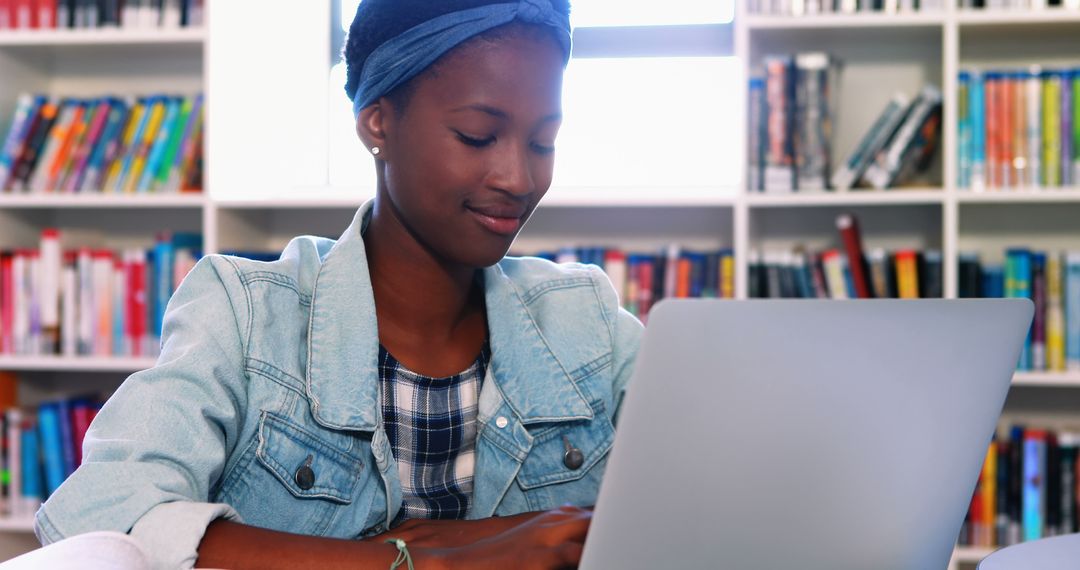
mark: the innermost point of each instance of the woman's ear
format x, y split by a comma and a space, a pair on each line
371, 127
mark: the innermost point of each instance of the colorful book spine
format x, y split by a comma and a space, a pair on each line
1072, 310
964, 130
1033, 98
907, 274
1051, 128
1033, 491
978, 132
1055, 315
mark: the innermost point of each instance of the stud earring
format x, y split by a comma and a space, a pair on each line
375, 150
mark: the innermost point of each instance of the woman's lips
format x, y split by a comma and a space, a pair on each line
499, 220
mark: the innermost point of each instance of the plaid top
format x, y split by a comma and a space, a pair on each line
431, 425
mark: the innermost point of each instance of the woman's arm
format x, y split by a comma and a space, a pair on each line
551, 539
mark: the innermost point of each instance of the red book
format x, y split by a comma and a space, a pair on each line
46, 14
82, 413
6, 20
23, 13
136, 316
849, 234
682, 282
645, 288
7, 304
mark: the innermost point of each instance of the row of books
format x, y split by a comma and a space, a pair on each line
40, 446
90, 302
109, 144
1018, 128
1027, 489
1052, 282
1020, 4
802, 274
643, 279
792, 108
791, 116
87, 14
810, 7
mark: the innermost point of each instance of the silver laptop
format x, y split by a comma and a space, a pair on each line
804, 434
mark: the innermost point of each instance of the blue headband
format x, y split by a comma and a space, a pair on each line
405, 56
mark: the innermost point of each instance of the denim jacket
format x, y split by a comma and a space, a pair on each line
269, 367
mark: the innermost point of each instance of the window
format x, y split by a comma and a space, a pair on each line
651, 100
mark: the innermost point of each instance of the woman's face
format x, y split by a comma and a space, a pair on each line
470, 157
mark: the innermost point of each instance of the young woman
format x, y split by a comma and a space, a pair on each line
405, 381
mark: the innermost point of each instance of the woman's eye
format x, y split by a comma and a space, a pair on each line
475, 142
542, 149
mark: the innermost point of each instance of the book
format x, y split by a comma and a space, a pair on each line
912, 147
852, 239
881, 131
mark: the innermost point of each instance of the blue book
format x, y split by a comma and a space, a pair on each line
133, 151
1072, 310
849, 281
119, 310
993, 282
67, 436
977, 112
1018, 278
25, 111
164, 255
52, 446
32, 484
963, 146
93, 180
1033, 492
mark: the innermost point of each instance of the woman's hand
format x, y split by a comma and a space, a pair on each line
531, 541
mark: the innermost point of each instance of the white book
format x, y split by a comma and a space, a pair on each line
33, 288
149, 16
1033, 98
615, 267
84, 264
69, 343
102, 307
51, 264
671, 270
171, 17
129, 17
833, 266
20, 327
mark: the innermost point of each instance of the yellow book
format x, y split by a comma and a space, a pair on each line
117, 166
142, 147
988, 501
907, 274
1055, 315
727, 276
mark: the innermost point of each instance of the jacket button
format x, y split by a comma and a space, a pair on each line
501, 422
573, 459
305, 477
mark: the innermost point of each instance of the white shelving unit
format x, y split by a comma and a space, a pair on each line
882, 54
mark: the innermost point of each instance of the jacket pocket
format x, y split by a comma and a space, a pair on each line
308, 467
266, 491
549, 479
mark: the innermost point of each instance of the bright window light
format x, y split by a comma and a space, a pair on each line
602, 13
651, 122
629, 123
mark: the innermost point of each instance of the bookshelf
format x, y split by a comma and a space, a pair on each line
882, 54
886, 53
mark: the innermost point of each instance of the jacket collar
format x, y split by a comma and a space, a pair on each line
343, 346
